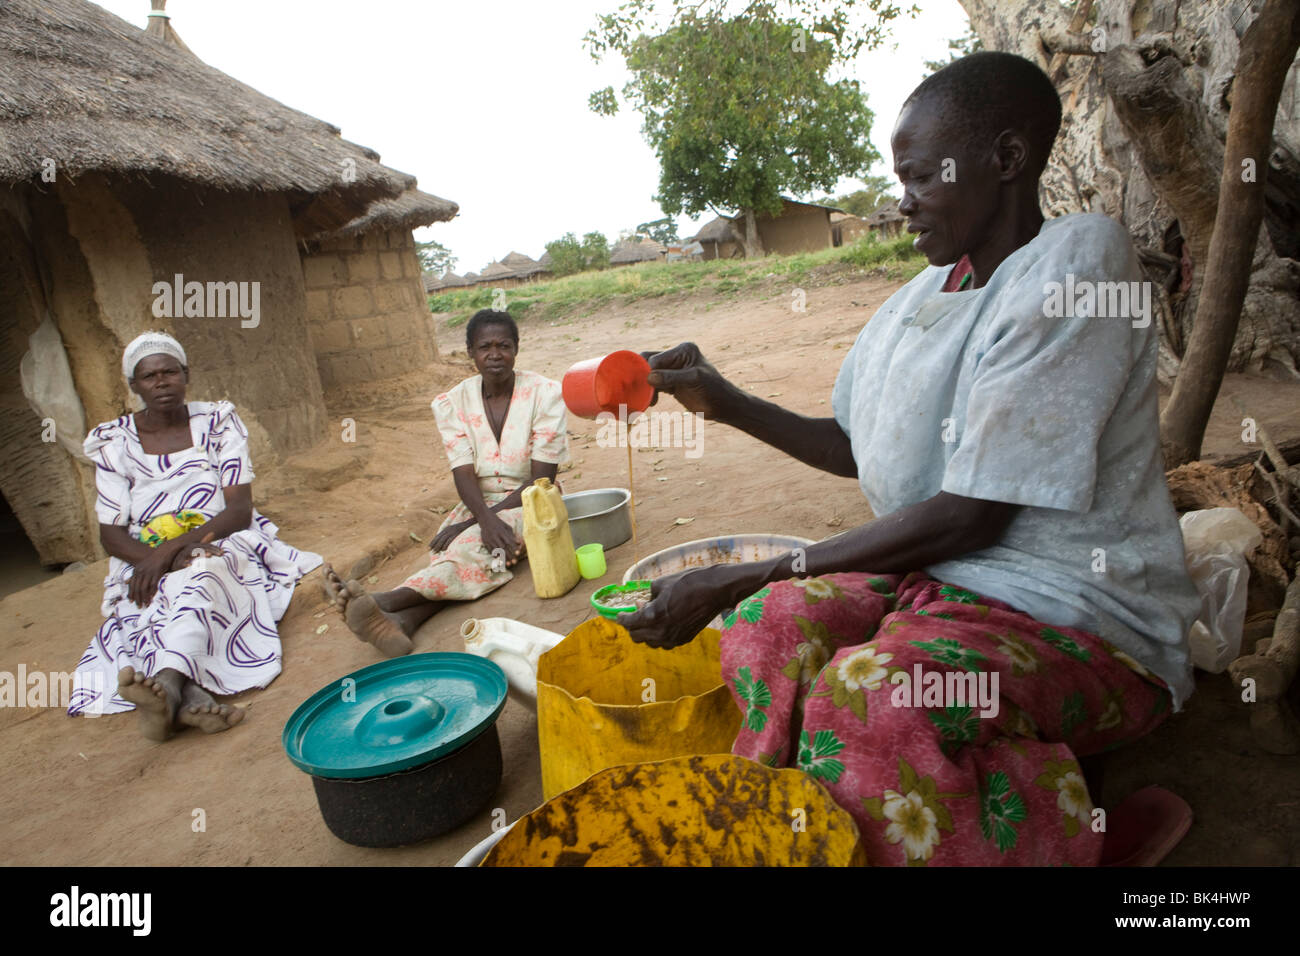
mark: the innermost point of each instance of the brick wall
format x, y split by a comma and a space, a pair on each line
367, 309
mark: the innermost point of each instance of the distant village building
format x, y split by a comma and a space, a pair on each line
797, 227
847, 229
498, 276
130, 167
513, 270
524, 268
632, 251
887, 221
720, 240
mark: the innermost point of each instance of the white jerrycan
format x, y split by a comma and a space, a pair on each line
514, 647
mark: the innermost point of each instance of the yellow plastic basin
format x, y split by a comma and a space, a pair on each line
715, 810
604, 700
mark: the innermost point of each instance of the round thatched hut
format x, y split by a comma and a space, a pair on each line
146, 189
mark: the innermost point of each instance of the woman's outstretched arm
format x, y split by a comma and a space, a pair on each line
922, 534
685, 374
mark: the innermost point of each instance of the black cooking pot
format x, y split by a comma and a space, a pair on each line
403, 750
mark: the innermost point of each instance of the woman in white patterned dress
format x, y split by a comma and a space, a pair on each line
197, 579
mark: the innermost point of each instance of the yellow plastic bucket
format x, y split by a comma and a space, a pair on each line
605, 700
718, 810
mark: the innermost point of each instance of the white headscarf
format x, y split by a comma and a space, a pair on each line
150, 343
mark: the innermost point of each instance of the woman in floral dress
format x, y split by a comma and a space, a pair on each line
502, 430
1020, 599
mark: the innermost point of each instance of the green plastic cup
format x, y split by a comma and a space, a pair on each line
591, 560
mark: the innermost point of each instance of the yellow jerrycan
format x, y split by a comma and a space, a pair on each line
546, 536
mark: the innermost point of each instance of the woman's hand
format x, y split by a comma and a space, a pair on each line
148, 572
449, 534
682, 605
185, 556
685, 374
499, 535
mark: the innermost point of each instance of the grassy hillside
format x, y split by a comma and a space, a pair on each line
587, 290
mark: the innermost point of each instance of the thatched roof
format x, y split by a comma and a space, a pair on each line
636, 250
545, 261
94, 93
884, 214
720, 229
517, 260
521, 265
496, 271
408, 211
449, 280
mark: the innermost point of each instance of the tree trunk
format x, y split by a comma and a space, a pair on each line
1146, 92
751, 240
1267, 51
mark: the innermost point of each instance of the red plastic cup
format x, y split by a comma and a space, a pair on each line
611, 383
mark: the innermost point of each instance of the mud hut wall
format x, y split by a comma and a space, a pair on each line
851, 230
721, 250
796, 232
49, 491
267, 369
367, 306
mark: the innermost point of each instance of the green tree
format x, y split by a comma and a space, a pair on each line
662, 231
863, 202
435, 258
958, 48
569, 255
740, 110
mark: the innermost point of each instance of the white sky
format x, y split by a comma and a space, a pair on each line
486, 103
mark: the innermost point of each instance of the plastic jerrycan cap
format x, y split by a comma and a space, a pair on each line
611, 383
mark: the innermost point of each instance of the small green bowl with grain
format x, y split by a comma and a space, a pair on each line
615, 599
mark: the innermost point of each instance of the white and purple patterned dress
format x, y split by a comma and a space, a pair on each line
213, 621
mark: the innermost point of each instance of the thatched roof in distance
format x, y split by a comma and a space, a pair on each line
521, 265
94, 93
884, 214
545, 260
720, 229
517, 260
636, 250
408, 211
496, 271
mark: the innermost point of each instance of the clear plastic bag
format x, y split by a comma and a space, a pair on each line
1217, 541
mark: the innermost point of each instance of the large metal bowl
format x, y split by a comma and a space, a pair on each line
599, 516
706, 552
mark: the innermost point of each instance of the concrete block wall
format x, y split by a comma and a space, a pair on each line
367, 309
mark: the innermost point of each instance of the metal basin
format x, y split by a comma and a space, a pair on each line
600, 516
706, 552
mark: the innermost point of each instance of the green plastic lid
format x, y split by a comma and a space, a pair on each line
395, 715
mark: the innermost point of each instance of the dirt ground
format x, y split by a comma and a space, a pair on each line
93, 792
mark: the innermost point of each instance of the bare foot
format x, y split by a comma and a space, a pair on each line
153, 702
374, 626
199, 709
336, 592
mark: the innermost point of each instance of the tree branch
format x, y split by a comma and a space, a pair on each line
1267, 51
